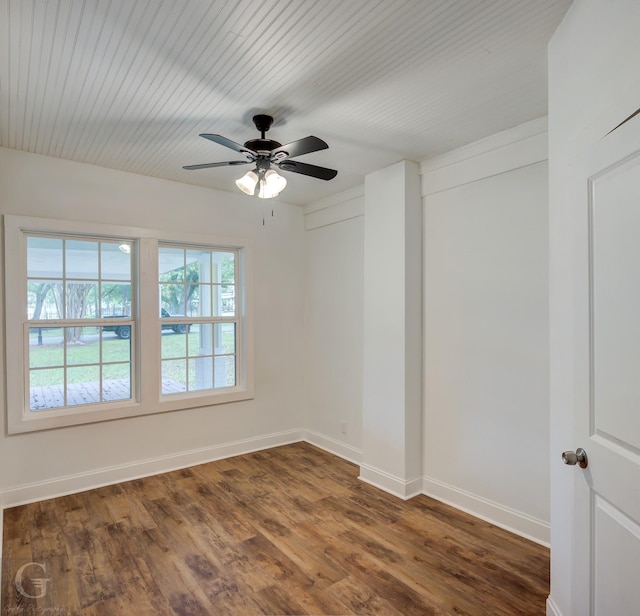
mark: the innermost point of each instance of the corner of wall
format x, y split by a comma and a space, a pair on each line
509, 519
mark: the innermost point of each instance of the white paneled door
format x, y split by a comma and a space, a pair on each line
607, 373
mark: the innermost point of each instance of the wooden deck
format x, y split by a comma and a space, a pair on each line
290, 530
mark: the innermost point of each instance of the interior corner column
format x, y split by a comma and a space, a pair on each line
392, 367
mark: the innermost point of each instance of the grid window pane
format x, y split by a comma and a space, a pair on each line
171, 264
115, 299
200, 373
83, 385
114, 348
46, 347
81, 300
226, 264
225, 371
83, 345
44, 257
201, 340
173, 345
115, 260
227, 300
172, 299
174, 376
81, 259
198, 265
199, 300
225, 338
44, 300
46, 389
116, 382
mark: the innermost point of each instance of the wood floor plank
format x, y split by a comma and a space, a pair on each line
290, 530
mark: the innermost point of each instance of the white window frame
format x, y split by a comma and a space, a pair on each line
146, 345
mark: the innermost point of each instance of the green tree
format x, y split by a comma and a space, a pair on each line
39, 294
176, 296
79, 295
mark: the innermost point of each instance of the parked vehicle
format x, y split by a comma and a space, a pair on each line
124, 331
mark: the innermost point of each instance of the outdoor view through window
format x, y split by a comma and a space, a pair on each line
76, 290
198, 298
82, 335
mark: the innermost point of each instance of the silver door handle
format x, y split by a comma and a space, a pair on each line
578, 457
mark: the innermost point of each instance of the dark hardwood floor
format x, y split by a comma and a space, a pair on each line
289, 530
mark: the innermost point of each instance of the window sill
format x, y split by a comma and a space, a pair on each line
33, 421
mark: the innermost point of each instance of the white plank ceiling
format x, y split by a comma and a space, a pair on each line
129, 84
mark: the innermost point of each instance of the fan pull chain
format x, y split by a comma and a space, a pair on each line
263, 217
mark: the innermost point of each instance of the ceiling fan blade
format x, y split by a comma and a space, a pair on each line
209, 165
322, 173
227, 143
298, 148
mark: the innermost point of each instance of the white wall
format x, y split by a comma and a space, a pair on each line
334, 247
39, 464
486, 361
485, 418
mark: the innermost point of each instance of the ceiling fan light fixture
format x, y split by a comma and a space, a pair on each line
247, 183
275, 181
265, 192
271, 185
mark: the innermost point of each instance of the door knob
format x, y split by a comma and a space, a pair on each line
578, 457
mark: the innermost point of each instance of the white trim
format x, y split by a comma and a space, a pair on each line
552, 608
402, 488
337, 448
343, 197
345, 210
518, 147
519, 523
507, 137
70, 484
334, 214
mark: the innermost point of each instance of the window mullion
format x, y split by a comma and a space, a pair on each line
148, 348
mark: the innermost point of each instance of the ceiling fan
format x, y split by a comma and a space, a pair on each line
267, 154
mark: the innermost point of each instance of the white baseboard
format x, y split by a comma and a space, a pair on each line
402, 488
552, 608
29, 493
337, 448
509, 519
514, 521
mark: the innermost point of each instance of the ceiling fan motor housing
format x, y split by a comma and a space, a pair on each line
262, 145
263, 122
